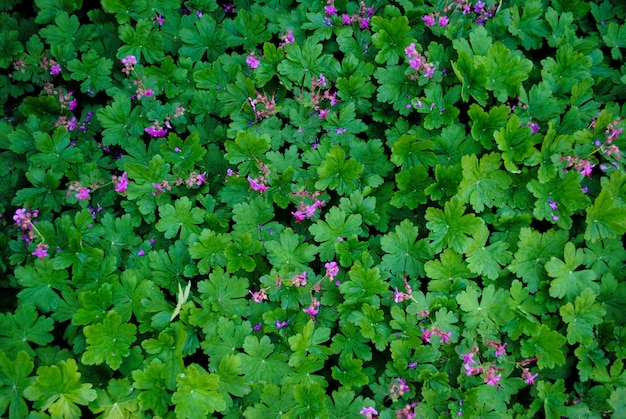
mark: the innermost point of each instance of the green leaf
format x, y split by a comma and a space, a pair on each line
197, 393
487, 314
248, 29
57, 152
581, 317
450, 228
180, 217
394, 88
94, 72
487, 260
569, 69
261, 363
18, 330
118, 119
39, 282
142, 41
351, 343
363, 286
129, 292
530, 28
565, 192
224, 294
338, 173
371, 324
241, 251
109, 341
58, 390
390, 38
307, 344
409, 151
484, 184
485, 124
335, 227
473, 78
569, 282
516, 142
275, 402
403, 252
152, 386
605, 219
615, 37
535, 249
67, 31
542, 103
245, 151
302, 63
506, 70
116, 402
525, 312
224, 338
290, 253
552, 398
547, 346
448, 273
412, 184
231, 380
210, 249
14, 378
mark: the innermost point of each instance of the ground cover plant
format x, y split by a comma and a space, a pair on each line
312, 209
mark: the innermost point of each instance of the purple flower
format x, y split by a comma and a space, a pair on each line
257, 327
156, 132
252, 61
331, 270
368, 412
346, 19
129, 60
330, 10
553, 205
55, 69
280, 325
141, 253
429, 19
443, 21
83, 193
121, 183
41, 251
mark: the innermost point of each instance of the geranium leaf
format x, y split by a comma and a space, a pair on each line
197, 393
109, 341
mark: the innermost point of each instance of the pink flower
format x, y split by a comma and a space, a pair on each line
331, 270
252, 61
55, 69
41, 251
280, 325
254, 184
322, 113
346, 19
299, 216
156, 131
83, 193
330, 10
368, 412
529, 378
429, 19
443, 21
259, 296
299, 280
129, 60
121, 183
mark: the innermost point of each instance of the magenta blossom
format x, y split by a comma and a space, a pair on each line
252, 61
55, 69
41, 251
83, 193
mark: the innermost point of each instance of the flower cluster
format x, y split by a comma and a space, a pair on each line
361, 17
80, 192
24, 220
252, 61
479, 10
304, 210
398, 388
399, 296
269, 105
435, 331
490, 373
319, 92
419, 62
259, 183
120, 182
584, 165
